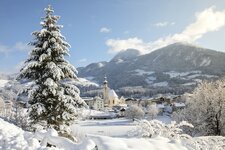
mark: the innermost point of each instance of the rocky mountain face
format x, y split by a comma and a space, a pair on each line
175, 68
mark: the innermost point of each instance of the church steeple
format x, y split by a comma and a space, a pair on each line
105, 81
105, 91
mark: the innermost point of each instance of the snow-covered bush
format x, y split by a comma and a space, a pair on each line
83, 113
155, 128
53, 102
205, 109
206, 143
21, 118
134, 112
152, 111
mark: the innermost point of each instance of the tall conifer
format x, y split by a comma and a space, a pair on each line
53, 102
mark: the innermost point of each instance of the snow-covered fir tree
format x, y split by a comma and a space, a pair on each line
53, 102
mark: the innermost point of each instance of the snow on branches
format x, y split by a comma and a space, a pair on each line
51, 100
134, 112
205, 109
155, 128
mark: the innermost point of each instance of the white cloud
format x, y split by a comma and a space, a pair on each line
22, 46
126, 32
208, 20
4, 49
161, 24
164, 24
83, 60
172, 23
120, 45
105, 30
19, 46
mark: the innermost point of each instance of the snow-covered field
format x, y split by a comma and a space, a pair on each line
188, 75
141, 72
113, 128
86, 82
159, 143
14, 138
109, 127
165, 83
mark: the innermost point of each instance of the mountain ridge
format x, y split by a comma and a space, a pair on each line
169, 67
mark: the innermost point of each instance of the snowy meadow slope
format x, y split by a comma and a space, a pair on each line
176, 68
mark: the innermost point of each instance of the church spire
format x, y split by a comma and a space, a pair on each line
105, 91
105, 81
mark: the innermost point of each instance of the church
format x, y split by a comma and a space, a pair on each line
109, 96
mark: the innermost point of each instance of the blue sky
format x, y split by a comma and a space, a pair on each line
98, 29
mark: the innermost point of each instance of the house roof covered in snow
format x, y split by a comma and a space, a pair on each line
179, 104
98, 98
161, 106
88, 98
112, 94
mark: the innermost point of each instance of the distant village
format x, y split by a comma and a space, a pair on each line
110, 102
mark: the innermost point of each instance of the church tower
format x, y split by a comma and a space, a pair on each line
105, 91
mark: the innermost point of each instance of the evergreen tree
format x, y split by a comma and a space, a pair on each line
53, 102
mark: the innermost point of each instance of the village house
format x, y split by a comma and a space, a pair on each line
131, 101
96, 103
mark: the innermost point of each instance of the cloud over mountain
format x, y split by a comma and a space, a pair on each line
208, 20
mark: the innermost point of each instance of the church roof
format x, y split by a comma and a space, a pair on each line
112, 94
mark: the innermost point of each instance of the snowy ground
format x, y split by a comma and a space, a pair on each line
14, 138
113, 128
159, 143
110, 127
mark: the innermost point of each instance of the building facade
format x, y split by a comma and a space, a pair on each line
110, 97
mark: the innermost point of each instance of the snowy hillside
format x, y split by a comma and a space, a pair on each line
177, 65
85, 82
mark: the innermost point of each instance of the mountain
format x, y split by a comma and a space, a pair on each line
175, 67
126, 55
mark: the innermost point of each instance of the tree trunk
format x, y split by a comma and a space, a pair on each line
218, 131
